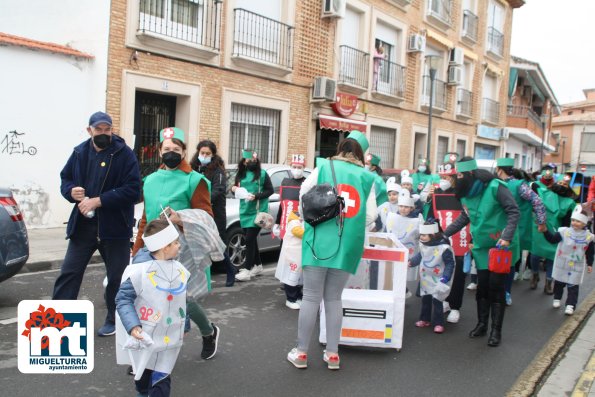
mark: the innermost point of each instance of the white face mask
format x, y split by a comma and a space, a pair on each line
445, 184
297, 173
204, 160
422, 168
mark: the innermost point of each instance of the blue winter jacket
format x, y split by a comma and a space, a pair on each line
120, 188
126, 295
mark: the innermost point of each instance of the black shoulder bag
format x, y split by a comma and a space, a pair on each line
321, 204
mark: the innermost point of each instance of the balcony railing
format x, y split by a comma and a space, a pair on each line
524, 112
191, 21
495, 41
439, 101
490, 111
263, 39
464, 101
389, 78
441, 10
470, 25
354, 67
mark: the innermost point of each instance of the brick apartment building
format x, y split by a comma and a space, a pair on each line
242, 73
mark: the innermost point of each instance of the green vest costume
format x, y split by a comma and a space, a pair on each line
424, 178
248, 209
380, 189
355, 183
526, 221
174, 189
556, 208
488, 220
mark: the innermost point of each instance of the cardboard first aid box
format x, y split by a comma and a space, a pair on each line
374, 298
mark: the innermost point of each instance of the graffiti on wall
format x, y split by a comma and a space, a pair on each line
34, 203
12, 143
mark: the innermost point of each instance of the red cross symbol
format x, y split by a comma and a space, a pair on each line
352, 199
168, 133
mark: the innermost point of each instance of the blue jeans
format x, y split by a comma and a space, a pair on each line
81, 246
549, 265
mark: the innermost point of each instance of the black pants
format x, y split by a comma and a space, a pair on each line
81, 246
293, 293
457, 290
252, 254
146, 385
572, 297
491, 286
432, 310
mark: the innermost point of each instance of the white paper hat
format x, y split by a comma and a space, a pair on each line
392, 185
578, 216
429, 229
406, 200
162, 238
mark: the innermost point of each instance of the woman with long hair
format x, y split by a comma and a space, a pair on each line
257, 182
207, 162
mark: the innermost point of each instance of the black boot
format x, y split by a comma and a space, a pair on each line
483, 313
497, 318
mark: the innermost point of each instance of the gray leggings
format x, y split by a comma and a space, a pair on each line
321, 283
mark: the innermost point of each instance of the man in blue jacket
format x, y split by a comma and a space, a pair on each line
102, 179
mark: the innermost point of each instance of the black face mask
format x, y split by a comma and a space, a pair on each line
172, 159
463, 185
252, 166
102, 141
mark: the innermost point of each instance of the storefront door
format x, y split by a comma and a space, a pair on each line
327, 141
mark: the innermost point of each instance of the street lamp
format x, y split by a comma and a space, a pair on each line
543, 125
563, 148
430, 61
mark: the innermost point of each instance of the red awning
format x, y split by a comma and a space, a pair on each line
341, 124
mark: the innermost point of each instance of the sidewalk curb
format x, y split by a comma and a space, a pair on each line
538, 370
52, 264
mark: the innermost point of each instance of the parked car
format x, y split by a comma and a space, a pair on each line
14, 241
236, 240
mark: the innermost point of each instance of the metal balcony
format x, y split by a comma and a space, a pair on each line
354, 67
495, 42
390, 79
440, 10
464, 102
439, 101
470, 25
490, 111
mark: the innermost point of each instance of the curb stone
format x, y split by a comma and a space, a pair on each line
53, 264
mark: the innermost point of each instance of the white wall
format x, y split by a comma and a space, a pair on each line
48, 98
517, 147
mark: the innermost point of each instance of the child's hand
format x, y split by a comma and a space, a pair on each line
589, 269
409, 264
542, 228
136, 333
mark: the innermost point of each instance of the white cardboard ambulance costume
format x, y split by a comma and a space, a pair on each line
161, 308
431, 267
570, 261
374, 318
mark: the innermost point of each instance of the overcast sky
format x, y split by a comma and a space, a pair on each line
560, 36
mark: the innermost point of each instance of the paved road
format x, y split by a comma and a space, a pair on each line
257, 331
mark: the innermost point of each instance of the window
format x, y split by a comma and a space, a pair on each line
354, 61
389, 76
442, 148
461, 148
439, 98
490, 106
440, 10
588, 142
464, 93
470, 21
254, 128
495, 36
382, 144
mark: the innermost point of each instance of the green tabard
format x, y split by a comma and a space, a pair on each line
351, 179
527, 220
419, 177
556, 208
488, 220
248, 209
380, 189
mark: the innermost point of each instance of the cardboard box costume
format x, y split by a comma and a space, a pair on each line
406, 230
570, 261
289, 265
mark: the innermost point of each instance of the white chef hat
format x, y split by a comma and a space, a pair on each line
161, 239
405, 199
578, 215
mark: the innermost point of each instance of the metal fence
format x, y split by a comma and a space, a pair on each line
439, 101
440, 9
470, 25
254, 128
464, 101
382, 144
389, 78
495, 41
194, 21
262, 38
354, 67
490, 110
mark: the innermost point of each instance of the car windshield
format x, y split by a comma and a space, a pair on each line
276, 175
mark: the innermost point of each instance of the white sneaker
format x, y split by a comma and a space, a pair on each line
527, 273
569, 310
556, 303
256, 270
472, 287
243, 275
517, 276
454, 316
445, 307
292, 305
408, 294
297, 358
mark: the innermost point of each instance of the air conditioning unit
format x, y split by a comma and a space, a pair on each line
457, 56
333, 8
416, 43
455, 75
325, 89
505, 134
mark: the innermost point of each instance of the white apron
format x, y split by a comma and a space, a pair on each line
431, 269
570, 260
384, 209
407, 231
161, 307
289, 266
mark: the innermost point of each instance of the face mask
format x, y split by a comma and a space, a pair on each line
204, 160
367, 167
463, 185
422, 168
102, 141
445, 184
172, 159
252, 166
297, 173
